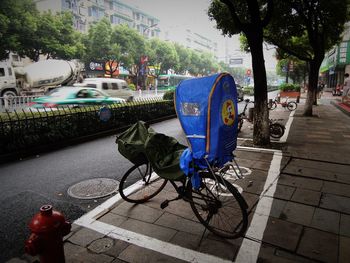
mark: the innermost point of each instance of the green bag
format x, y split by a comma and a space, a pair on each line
131, 143
164, 153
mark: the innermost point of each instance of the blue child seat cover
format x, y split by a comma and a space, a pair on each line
207, 110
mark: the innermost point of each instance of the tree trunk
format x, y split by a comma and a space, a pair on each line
313, 80
261, 134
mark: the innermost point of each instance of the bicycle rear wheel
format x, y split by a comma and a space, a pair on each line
292, 105
240, 123
276, 130
219, 206
147, 185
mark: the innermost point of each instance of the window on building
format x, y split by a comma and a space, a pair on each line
104, 85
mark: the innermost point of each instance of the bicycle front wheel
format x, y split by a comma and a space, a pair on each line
292, 105
272, 106
146, 184
219, 207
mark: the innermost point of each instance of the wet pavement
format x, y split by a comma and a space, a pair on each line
298, 199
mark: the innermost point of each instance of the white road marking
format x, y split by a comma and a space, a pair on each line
153, 243
249, 249
283, 139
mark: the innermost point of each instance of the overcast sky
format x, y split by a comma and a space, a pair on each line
192, 14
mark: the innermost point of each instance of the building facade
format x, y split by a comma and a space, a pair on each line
337, 62
191, 39
87, 12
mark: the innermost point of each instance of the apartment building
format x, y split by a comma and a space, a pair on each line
191, 39
86, 12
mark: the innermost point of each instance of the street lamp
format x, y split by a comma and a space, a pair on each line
146, 28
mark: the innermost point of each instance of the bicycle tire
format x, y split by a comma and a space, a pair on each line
222, 212
273, 105
240, 124
276, 130
292, 105
148, 185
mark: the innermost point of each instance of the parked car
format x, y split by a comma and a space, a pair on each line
113, 87
74, 96
240, 93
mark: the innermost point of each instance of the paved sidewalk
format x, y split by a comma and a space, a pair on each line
299, 207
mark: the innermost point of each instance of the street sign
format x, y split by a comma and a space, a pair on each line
105, 114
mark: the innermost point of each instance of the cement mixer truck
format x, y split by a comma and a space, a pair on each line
38, 77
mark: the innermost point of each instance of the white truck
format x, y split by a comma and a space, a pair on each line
38, 77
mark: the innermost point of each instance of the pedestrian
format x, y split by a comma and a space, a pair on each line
320, 87
346, 89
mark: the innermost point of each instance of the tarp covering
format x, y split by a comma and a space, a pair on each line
207, 110
164, 153
141, 144
131, 143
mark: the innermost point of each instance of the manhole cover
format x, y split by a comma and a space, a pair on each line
93, 188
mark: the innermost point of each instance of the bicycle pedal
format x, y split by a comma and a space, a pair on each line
164, 204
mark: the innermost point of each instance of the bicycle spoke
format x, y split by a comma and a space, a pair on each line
216, 206
146, 187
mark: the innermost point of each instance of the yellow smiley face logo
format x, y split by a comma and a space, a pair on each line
228, 112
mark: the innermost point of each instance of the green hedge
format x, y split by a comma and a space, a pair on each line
289, 87
169, 95
20, 131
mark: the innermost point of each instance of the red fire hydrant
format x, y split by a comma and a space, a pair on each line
48, 229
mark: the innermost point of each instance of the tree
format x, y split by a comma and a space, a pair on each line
184, 58
17, 25
99, 46
293, 68
132, 48
54, 37
163, 53
194, 68
207, 63
307, 29
249, 17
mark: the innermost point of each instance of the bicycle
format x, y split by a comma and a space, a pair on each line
276, 129
216, 203
290, 105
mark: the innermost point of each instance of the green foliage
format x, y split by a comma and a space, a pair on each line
162, 53
248, 91
132, 86
18, 23
98, 44
184, 58
305, 28
54, 37
169, 95
289, 87
244, 46
25, 31
132, 46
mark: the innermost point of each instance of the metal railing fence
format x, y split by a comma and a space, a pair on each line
22, 129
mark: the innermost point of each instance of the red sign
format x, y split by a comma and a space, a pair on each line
144, 59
